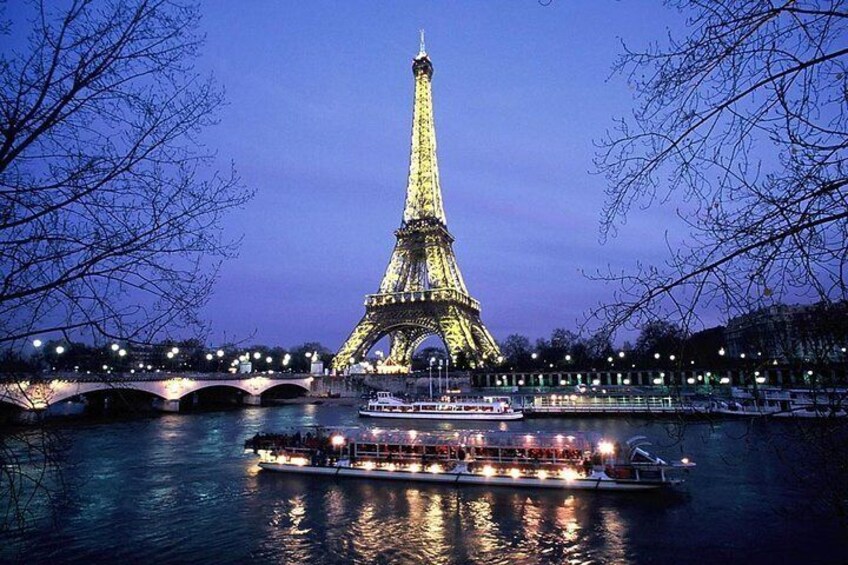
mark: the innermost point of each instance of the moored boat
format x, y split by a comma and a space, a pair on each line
483, 409
538, 460
782, 403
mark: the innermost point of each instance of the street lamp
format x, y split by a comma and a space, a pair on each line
432, 361
36, 343
337, 442
60, 350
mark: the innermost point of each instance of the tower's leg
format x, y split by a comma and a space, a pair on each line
400, 350
456, 332
404, 342
465, 333
358, 343
487, 348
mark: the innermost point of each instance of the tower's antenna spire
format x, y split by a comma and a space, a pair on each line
421, 49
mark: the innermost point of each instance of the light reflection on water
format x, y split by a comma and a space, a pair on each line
407, 523
181, 488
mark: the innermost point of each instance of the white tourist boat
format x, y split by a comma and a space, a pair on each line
539, 460
485, 408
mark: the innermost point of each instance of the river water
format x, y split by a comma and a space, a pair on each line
179, 488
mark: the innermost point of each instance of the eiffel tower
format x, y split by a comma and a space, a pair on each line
422, 292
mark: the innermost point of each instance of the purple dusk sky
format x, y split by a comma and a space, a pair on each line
319, 123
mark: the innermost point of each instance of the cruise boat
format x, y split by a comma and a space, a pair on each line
518, 460
486, 408
783, 403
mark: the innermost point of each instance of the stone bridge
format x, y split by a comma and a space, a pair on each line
167, 389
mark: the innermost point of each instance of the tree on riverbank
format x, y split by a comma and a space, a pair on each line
745, 122
110, 223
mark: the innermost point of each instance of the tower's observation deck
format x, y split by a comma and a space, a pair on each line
422, 292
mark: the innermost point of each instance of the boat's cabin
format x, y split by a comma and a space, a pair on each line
386, 402
385, 399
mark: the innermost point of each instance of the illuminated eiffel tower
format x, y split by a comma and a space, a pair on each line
422, 292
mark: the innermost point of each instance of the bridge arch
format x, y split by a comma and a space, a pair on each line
41, 394
282, 387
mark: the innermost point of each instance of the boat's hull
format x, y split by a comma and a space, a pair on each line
477, 417
467, 478
794, 413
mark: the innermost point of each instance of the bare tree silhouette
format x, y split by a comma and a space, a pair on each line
744, 119
110, 222
111, 215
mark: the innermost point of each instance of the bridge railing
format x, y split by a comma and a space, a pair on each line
146, 377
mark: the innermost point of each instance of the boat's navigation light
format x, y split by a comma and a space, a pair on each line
606, 448
569, 474
337, 441
686, 461
368, 465
414, 468
434, 469
514, 473
488, 471
543, 475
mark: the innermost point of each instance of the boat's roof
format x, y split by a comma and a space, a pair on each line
469, 438
457, 403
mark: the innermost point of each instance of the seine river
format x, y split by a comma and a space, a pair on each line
179, 488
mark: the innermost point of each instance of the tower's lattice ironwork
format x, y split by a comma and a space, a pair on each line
422, 292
